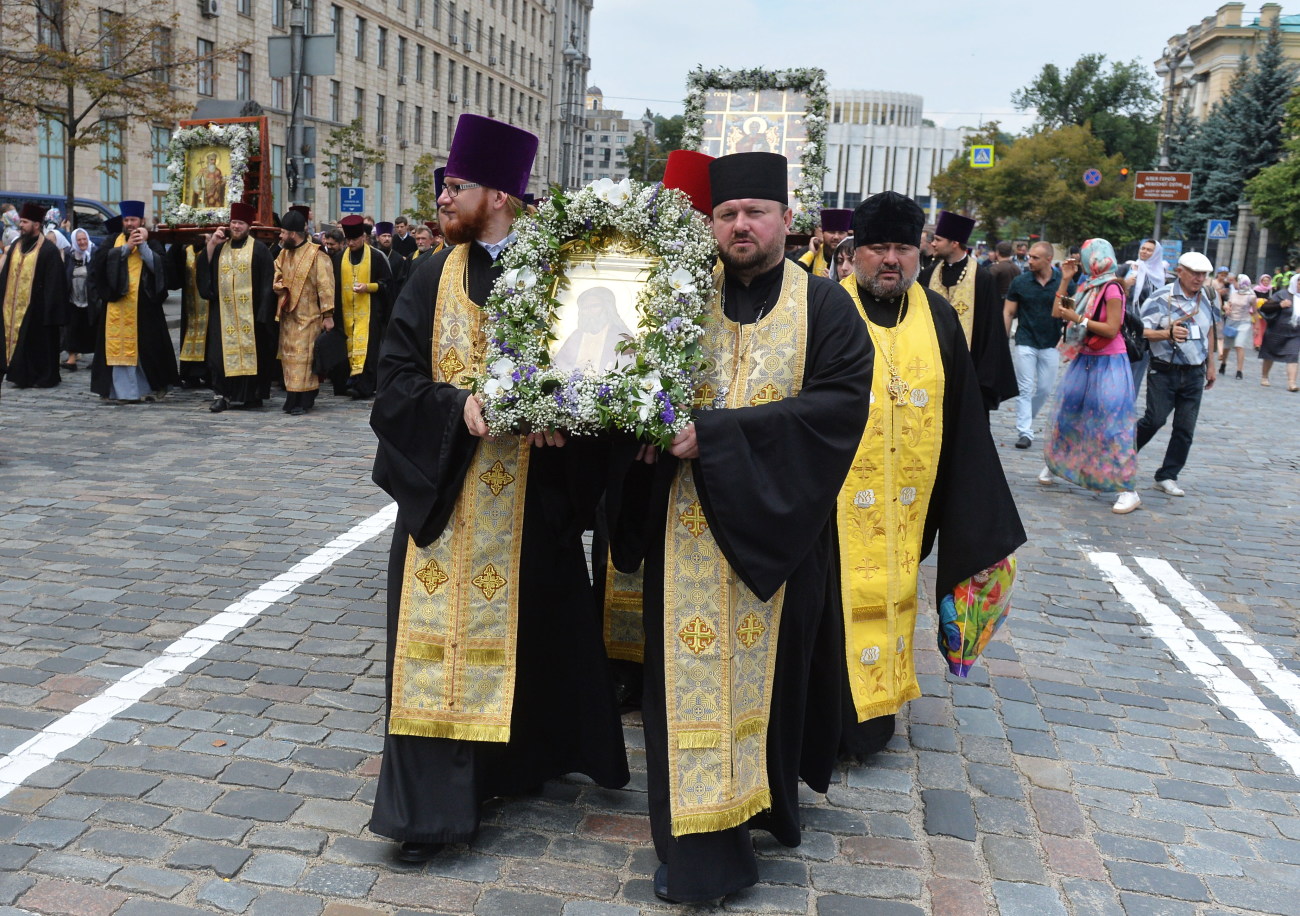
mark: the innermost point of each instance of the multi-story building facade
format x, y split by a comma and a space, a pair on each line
606, 139
879, 141
406, 69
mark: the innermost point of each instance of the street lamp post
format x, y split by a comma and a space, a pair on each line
571, 57
1175, 68
648, 130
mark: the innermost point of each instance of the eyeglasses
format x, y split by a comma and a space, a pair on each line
453, 190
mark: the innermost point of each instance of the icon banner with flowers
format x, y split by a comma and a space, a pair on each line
594, 323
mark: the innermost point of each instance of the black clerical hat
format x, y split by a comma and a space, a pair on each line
888, 217
294, 221
745, 176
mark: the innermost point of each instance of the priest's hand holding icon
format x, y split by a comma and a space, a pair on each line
685, 444
473, 413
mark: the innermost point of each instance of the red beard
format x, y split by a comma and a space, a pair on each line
466, 226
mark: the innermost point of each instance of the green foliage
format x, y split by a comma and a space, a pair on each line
960, 187
667, 137
1120, 103
423, 191
1274, 193
346, 154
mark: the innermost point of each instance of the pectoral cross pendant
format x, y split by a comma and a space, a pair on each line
898, 390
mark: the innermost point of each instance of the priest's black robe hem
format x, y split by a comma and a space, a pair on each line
35, 360
242, 388
989, 348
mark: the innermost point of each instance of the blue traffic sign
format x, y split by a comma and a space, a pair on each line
352, 200
981, 157
1092, 178
1218, 229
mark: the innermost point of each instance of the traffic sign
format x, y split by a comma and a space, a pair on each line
1092, 178
1163, 186
1218, 229
981, 157
352, 200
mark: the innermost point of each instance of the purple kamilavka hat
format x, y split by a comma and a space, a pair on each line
491, 153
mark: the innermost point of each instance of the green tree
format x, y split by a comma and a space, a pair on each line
971, 190
1120, 104
667, 137
1275, 192
423, 191
346, 154
90, 72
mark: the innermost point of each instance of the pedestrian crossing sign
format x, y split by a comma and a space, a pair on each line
981, 157
1218, 229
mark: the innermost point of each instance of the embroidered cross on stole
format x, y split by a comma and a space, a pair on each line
962, 296
356, 308
719, 639
235, 299
454, 670
121, 321
880, 513
194, 343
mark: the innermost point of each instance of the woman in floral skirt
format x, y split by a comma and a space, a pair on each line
1091, 438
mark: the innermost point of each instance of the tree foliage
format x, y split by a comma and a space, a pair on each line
346, 155
667, 137
423, 191
1039, 180
93, 72
1120, 103
1275, 192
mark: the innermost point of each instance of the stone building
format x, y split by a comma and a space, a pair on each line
606, 139
406, 68
879, 141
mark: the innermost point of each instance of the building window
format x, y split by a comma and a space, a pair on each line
162, 53
380, 115
399, 174
277, 93
278, 196
243, 77
381, 58
49, 23
160, 139
419, 64
206, 81
433, 128
110, 32
112, 159
336, 26
359, 48
401, 121
437, 69
401, 57
417, 130
437, 14
359, 107
336, 90
50, 147
309, 16
309, 96
277, 13
244, 8
379, 191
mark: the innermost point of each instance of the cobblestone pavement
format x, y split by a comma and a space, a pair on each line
1082, 769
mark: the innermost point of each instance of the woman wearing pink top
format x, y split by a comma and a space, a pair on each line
1091, 438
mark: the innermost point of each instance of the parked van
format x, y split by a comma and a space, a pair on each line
88, 214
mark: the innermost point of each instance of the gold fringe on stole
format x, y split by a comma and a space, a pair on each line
719, 639
121, 321
881, 510
454, 665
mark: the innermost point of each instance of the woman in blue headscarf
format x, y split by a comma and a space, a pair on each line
1091, 438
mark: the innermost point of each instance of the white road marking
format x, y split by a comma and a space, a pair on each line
1228, 689
65, 733
1283, 683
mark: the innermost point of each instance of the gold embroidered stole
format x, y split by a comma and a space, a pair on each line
962, 296
454, 670
194, 344
881, 512
624, 629
121, 323
235, 298
719, 639
356, 308
18, 294
296, 266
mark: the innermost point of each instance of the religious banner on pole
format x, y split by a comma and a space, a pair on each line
772, 111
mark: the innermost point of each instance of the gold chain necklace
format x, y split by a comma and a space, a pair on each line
897, 388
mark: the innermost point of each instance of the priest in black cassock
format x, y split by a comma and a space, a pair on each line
743, 645
926, 466
362, 283
398, 262
973, 292
496, 679
182, 259
33, 305
134, 357
235, 273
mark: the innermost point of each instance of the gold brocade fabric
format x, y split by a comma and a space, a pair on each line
454, 667
121, 323
195, 342
962, 296
624, 629
305, 276
18, 292
881, 512
719, 638
815, 261
235, 299
356, 308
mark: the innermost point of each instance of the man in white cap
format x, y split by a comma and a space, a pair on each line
1179, 325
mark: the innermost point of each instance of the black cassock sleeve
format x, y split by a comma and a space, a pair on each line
263, 280
989, 347
203, 272
971, 509
768, 476
424, 447
53, 286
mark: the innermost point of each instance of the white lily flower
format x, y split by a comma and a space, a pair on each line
491, 387
511, 278
651, 383
645, 401
601, 187
619, 194
682, 281
525, 278
502, 368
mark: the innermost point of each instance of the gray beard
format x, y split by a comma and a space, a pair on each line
878, 290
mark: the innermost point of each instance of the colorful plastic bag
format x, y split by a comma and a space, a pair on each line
970, 616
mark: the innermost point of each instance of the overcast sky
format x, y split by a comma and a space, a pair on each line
965, 59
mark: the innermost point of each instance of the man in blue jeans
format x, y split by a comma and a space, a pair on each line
1029, 298
1178, 321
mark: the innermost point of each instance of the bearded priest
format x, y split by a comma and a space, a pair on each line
33, 303
362, 281
496, 671
926, 465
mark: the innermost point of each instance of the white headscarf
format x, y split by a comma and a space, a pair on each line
1293, 290
1153, 269
60, 240
90, 245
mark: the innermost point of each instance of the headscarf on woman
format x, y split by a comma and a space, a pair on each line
90, 245
1153, 269
1265, 286
1097, 263
1243, 283
59, 239
1293, 290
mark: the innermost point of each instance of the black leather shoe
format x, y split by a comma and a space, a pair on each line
1024, 442
661, 884
417, 853
219, 405
296, 412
